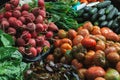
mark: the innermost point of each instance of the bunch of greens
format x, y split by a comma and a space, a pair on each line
11, 65
62, 14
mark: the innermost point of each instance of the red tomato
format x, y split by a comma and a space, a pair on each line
88, 42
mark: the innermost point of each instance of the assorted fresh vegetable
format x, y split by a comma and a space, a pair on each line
62, 40
30, 30
90, 1
11, 65
62, 14
90, 49
102, 14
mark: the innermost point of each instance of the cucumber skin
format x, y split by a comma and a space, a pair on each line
104, 23
94, 17
101, 12
93, 11
110, 24
111, 14
109, 8
104, 4
102, 18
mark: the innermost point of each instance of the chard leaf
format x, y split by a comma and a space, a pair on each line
7, 40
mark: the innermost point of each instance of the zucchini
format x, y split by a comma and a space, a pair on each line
110, 23
86, 15
115, 25
94, 17
111, 14
108, 9
93, 11
104, 4
116, 13
87, 9
101, 12
102, 18
104, 23
80, 12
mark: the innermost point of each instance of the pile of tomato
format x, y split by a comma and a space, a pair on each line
93, 51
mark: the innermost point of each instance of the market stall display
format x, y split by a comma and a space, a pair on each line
59, 40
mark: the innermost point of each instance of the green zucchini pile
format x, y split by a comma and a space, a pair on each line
102, 14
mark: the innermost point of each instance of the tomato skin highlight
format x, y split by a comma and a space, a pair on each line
88, 42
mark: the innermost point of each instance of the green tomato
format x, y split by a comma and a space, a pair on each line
112, 74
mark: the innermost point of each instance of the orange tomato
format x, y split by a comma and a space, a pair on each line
72, 33
88, 25
77, 39
62, 33
80, 28
100, 45
50, 57
89, 58
84, 1
66, 40
88, 43
57, 43
94, 72
96, 30
105, 31
76, 64
64, 47
83, 32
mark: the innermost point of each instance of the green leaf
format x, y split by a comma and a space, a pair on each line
1, 32
7, 40
6, 52
11, 65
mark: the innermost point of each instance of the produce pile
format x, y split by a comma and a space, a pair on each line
28, 27
60, 40
88, 49
11, 64
102, 14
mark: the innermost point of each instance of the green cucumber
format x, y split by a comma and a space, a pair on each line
80, 12
104, 4
101, 12
102, 18
111, 14
104, 23
94, 17
93, 11
108, 9
86, 15
116, 13
87, 9
115, 25
110, 23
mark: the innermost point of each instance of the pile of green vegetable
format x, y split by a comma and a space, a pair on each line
103, 14
11, 65
62, 14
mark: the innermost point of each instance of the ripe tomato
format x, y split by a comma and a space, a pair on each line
88, 42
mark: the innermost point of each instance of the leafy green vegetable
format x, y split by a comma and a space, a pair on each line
6, 39
11, 65
62, 14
